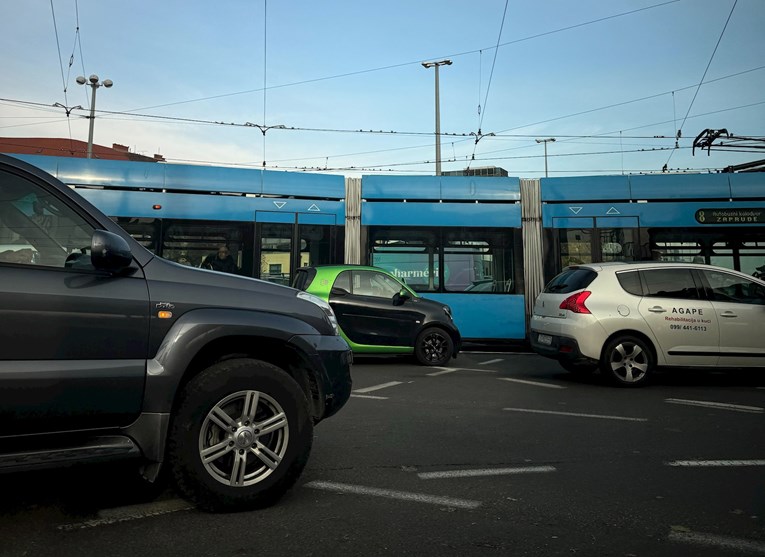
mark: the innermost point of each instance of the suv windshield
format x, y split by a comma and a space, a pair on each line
570, 280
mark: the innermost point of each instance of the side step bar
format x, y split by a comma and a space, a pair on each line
95, 449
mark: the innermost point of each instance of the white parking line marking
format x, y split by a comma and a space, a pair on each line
535, 383
491, 362
390, 494
484, 472
444, 371
132, 512
601, 416
692, 463
378, 387
717, 405
726, 542
370, 396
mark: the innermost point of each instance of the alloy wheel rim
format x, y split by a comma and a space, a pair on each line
244, 438
434, 346
629, 362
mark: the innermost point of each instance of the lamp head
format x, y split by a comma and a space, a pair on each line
81, 80
108, 83
93, 79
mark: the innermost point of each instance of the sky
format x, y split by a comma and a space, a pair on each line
339, 86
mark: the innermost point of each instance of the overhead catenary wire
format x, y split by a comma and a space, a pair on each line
411, 63
722, 33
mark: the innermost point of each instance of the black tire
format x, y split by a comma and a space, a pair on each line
627, 361
433, 347
578, 369
264, 464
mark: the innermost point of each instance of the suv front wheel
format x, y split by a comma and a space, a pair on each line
240, 437
627, 361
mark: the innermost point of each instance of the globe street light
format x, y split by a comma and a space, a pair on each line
92, 81
545, 141
438, 111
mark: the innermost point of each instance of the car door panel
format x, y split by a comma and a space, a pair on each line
684, 325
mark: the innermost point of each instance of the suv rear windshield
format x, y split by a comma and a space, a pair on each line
571, 280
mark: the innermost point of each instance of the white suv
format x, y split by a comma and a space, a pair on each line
627, 318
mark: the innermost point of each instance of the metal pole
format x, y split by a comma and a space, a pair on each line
545, 159
438, 128
438, 111
92, 120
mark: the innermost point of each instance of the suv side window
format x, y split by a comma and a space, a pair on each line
730, 288
670, 283
37, 228
630, 281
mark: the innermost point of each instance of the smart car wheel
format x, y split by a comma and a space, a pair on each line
433, 347
627, 361
240, 437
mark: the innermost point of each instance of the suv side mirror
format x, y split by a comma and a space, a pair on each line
109, 251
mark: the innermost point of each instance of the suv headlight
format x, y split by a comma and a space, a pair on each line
325, 307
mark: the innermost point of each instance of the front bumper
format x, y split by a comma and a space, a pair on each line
331, 359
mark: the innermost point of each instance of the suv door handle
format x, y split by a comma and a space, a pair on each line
657, 309
728, 314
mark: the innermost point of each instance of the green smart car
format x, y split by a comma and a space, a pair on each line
378, 314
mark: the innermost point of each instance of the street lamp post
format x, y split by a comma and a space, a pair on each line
92, 81
546, 141
438, 111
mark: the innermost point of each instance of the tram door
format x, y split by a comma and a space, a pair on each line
582, 240
286, 241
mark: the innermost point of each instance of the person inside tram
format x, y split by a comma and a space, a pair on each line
221, 261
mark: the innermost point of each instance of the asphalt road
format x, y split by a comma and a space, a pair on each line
499, 454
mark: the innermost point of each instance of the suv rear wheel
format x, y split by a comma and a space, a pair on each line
241, 436
627, 361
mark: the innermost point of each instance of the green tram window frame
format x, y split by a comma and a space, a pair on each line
475, 260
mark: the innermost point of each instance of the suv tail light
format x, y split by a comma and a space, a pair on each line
575, 302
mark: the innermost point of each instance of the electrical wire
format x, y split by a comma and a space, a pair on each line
61, 65
722, 33
412, 63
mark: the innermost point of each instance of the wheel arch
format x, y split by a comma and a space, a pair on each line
634, 333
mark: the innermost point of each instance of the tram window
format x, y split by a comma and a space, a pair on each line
317, 245
190, 242
478, 260
722, 255
677, 251
618, 244
144, 230
276, 252
752, 256
575, 246
409, 254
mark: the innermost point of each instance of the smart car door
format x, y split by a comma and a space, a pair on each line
365, 310
73, 341
683, 323
739, 304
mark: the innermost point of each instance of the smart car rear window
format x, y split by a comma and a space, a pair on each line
630, 281
304, 278
571, 280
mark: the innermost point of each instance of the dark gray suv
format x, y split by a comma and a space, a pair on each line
109, 352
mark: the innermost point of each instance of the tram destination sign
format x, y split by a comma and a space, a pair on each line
731, 216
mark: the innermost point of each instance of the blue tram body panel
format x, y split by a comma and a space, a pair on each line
486, 316
680, 186
441, 214
585, 188
451, 188
192, 178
